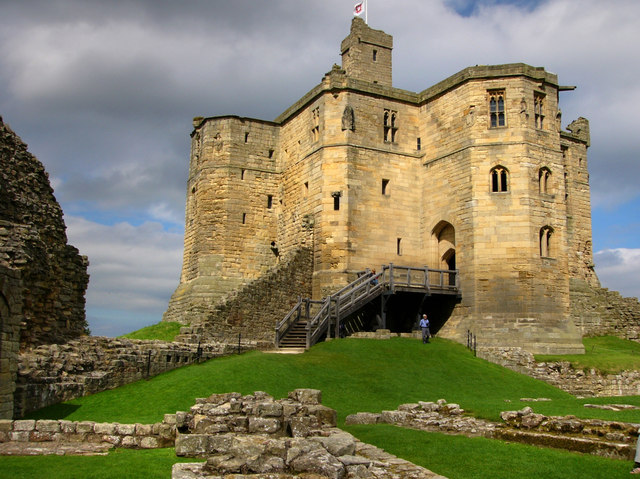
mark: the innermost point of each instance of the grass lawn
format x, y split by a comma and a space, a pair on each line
607, 354
120, 463
371, 375
164, 331
460, 457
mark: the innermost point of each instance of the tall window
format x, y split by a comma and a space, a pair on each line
315, 130
546, 232
496, 108
544, 175
538, 107
499, 179
390, 126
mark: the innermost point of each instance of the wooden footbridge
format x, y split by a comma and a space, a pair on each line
310, 320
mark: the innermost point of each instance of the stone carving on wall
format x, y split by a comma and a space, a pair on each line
524, 116
470, 115
348, 119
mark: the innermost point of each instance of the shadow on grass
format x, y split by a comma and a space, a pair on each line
55, 411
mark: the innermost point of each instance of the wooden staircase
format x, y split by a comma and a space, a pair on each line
296, 337
310, 320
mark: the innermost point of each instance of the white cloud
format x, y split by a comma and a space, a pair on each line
618, 269
132, 269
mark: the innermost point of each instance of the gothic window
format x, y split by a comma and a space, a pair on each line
544, 175
499, 179
315, 130
390, 126
538, 107
496, 109
546, 232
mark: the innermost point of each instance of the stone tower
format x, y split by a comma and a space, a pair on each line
473, 173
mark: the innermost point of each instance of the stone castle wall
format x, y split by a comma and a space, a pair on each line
252, 312
365, 174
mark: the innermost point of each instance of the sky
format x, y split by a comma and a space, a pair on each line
104, 92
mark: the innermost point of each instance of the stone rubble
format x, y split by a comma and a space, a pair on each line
605, 438
257, 437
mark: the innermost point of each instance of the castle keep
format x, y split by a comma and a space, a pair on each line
473, 174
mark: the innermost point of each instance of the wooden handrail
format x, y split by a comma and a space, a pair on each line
364, 288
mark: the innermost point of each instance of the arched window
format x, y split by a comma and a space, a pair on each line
544, 176
546, 251
499, 179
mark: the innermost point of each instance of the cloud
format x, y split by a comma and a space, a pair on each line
104, 93
133, 269
618, 270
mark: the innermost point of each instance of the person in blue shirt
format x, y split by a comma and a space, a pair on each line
424, 324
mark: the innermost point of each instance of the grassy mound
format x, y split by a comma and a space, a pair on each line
163, 331
354, 375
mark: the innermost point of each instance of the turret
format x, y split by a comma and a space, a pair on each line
366, 54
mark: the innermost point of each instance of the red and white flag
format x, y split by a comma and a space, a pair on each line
358, 9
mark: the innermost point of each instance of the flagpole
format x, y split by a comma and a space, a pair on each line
366, 12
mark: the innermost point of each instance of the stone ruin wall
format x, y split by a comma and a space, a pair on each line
42, 279
50, 374
562, 375
33, 241
599, 311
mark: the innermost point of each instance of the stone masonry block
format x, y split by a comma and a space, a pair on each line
24, 425
48, 426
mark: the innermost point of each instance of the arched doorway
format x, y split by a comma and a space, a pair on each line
445, 236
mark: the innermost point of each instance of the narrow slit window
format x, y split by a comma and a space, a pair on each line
244, 218
246, 137
242, 174
385, 183
336, 200
270, 153
538, 107
399, 246
269, 201
306, 188
375, 55
418, 144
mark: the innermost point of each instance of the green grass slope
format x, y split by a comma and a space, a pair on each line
354, 375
